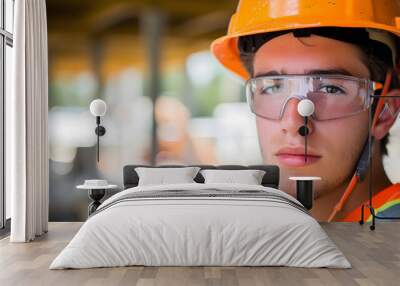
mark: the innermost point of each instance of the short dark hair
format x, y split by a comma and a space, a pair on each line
377, 58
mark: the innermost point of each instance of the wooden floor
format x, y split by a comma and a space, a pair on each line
375, 257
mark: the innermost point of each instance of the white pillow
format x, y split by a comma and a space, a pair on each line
162, 176
248, 177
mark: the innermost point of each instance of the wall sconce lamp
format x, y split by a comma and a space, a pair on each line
98, 108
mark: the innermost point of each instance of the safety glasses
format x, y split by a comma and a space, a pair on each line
334, 96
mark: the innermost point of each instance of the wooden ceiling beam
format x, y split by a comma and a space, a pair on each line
90, 16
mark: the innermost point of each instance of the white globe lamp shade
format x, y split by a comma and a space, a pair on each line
305, 108
98, 107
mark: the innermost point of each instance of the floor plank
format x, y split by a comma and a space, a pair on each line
375, 257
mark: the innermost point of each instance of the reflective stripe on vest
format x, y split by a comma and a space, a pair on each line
383, 201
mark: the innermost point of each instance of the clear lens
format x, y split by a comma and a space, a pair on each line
333, 96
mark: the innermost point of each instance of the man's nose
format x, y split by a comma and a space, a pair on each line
292, 120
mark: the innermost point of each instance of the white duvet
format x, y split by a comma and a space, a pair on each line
188, 231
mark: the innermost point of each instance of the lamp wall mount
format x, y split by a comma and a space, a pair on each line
98, 109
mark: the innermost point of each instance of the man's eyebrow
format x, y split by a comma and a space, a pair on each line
334, 71
270, 73
339, 71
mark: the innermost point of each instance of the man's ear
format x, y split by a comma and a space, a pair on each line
388, 115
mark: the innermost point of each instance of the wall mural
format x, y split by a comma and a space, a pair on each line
204, 114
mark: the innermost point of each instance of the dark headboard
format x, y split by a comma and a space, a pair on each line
270, 179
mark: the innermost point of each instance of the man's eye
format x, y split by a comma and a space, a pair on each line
271, 89
332, 89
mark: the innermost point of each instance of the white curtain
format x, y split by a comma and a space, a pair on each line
26, 124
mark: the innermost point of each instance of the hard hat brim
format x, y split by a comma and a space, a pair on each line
225, 48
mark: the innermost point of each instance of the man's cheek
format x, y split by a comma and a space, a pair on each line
265, 143
264, 149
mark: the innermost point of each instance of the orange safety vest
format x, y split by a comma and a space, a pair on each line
384, 201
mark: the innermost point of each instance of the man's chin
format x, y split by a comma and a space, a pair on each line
288, 186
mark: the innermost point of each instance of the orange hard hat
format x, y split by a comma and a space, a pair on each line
263, 16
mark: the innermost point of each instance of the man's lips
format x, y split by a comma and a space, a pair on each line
295, 156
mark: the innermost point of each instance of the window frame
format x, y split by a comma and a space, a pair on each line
6, 39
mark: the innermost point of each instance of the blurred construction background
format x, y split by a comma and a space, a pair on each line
168, 99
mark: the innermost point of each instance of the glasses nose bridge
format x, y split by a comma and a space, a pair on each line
296, 96
300, 88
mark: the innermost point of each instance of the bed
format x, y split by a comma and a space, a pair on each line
201, 224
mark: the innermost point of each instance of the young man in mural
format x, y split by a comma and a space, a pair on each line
337, 54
